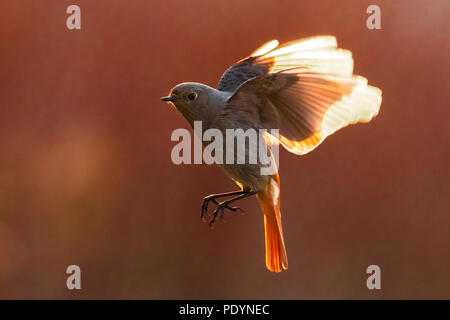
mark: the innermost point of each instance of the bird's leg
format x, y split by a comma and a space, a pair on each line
213, 198
225, 204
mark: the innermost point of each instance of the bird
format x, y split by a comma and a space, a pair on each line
305, 89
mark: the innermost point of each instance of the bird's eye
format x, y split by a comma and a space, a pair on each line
192, 96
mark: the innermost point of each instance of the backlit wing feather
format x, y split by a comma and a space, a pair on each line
316, 54
306, 107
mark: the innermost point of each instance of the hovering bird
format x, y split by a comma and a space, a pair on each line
305, 88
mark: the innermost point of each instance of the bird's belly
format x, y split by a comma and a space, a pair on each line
241, 157
248, 176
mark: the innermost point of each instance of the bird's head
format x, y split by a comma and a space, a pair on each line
190, 98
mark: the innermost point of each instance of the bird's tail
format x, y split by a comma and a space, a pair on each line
276, 258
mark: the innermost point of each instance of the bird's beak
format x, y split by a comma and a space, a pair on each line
168, 98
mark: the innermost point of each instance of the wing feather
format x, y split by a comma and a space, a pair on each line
309, 106
316, 54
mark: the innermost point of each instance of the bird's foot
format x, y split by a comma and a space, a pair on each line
205, 203
221, 208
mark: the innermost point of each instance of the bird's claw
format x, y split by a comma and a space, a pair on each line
221, 207
205, 203
234, 209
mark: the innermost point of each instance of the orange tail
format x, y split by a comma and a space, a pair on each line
276, 257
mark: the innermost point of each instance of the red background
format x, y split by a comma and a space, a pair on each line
86, 176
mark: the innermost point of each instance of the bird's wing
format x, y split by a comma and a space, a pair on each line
306, 107
317, 54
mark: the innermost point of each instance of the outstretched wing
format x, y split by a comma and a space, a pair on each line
306, 107
317, 54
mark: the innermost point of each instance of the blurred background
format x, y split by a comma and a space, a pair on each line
86, 176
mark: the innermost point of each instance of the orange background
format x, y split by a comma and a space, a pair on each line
86, 176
